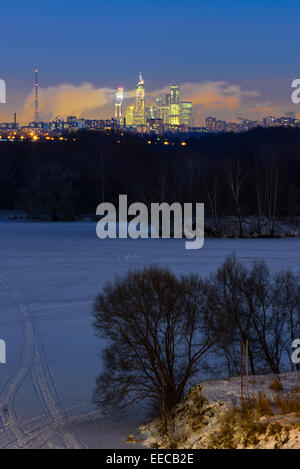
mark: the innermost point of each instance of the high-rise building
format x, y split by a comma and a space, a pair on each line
163, 113
129, 116
159, 110
148, 112
186, 113
139, 112
219, 126
118, 103
153, 110
174, 106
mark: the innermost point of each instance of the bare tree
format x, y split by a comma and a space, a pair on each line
260, 192
192, 164
236, 176
227, 298
261, 308
287, 300
212, 191
268, 320
158, 328
271, 182
101, 176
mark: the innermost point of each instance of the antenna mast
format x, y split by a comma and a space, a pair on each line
36, 102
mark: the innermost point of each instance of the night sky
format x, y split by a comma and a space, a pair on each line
253, 45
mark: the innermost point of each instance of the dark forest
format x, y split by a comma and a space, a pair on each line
255, 174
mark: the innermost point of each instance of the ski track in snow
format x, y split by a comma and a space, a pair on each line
32, 362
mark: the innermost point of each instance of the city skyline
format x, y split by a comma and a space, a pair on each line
168, 114
87, 102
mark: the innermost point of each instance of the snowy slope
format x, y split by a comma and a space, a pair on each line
204, 419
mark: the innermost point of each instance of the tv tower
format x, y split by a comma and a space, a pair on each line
36, 101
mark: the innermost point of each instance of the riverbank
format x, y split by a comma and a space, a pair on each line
214, 415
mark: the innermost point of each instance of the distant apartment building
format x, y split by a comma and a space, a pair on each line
284, 121
233, 127
72, 124
175, 129
214, 125
269, 121
155, 126
288, 121
57, 125
39, 126
219, 126
210, 123
9, 126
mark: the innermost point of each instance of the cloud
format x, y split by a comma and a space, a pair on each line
263, 109
82, 101
212, 95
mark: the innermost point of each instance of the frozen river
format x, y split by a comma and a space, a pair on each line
49, 277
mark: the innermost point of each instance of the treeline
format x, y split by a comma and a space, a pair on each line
161, 329
252, 174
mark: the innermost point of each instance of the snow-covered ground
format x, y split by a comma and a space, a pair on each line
49, 277
198, 420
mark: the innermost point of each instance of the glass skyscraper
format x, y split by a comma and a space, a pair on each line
174, 106
139, 112
186, 113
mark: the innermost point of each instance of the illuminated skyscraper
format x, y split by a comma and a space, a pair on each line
163, 113
119, 102
174, 94
186, 113
159, 110
129, 115
148, 112
153, 111
139, 112
174, 106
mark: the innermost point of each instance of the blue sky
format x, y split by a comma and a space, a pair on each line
106, 43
